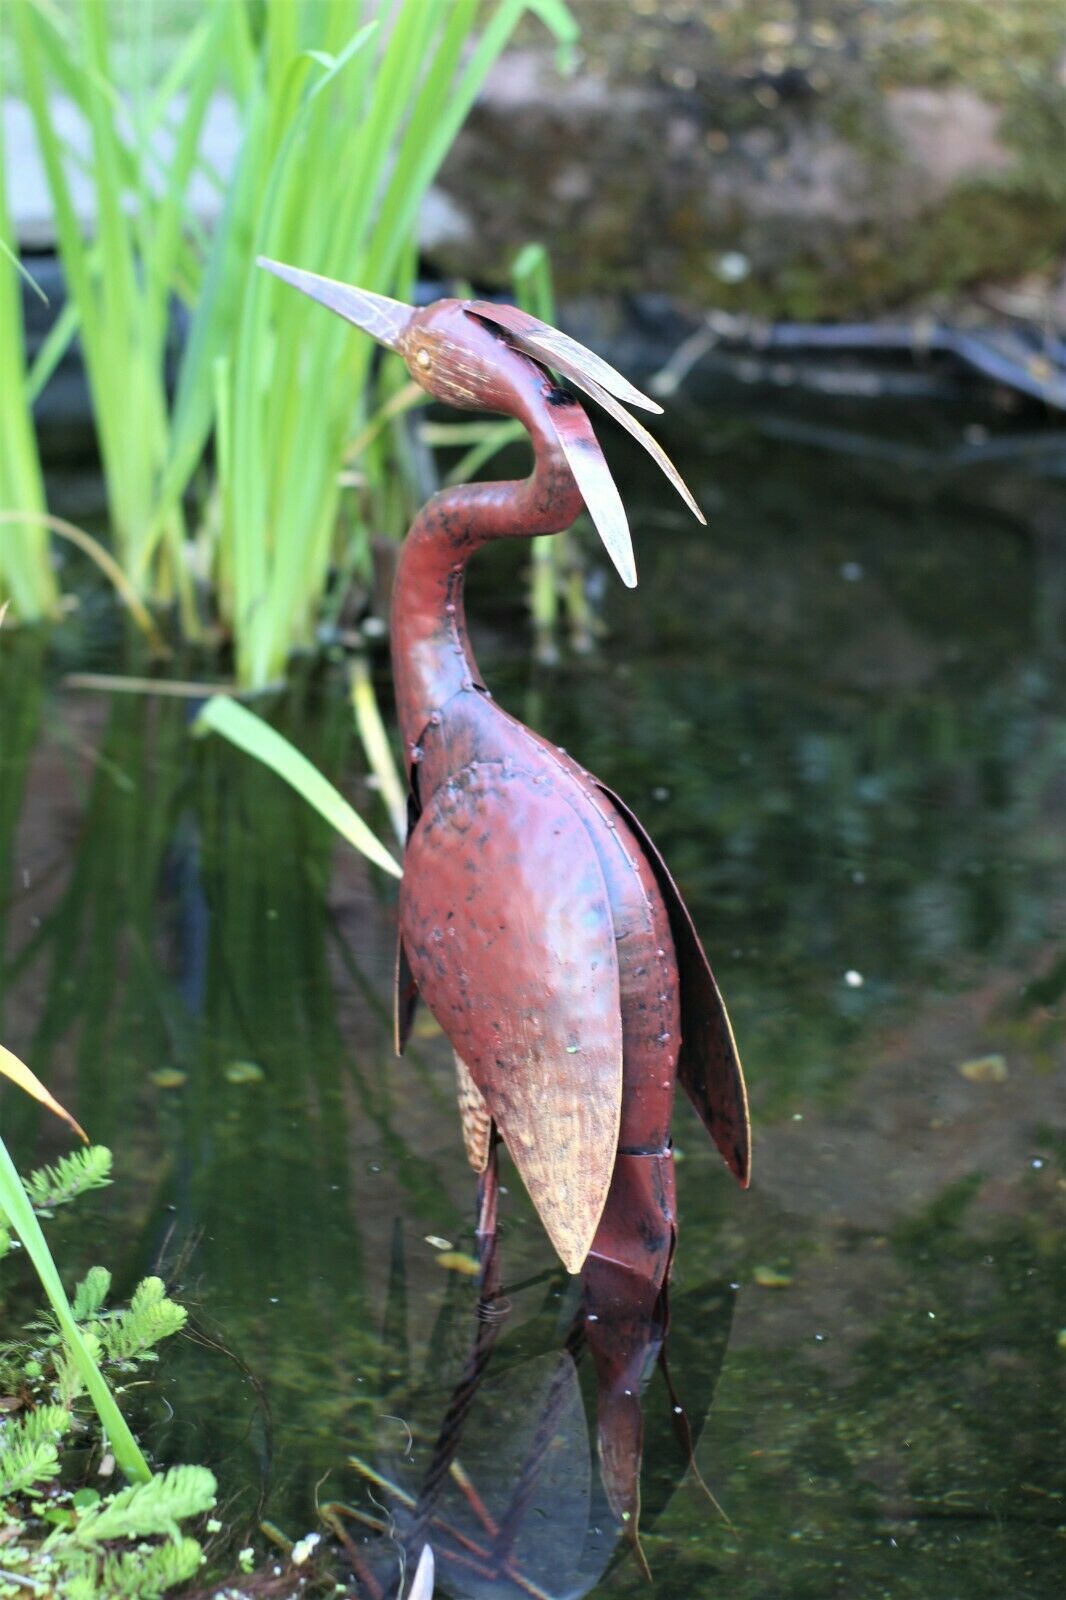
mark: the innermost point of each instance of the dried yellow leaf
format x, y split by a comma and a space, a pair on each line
459, 1261
985, 1069
770, 1278
19, 1073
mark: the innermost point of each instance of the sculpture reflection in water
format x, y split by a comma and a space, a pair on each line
530, 1481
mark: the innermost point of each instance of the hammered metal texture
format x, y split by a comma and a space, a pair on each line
508, 932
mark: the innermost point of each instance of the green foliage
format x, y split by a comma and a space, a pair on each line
26, 577
122, 1337
121, 280
257, 738
298, 73
402, 94
91, 1293
81, 1358
73, 1175
132, 1334
146, 1573
79, 1544
28, 1451
140, 1574
84, 1556
144, 1509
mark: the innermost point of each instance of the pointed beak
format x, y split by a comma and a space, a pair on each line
384, 319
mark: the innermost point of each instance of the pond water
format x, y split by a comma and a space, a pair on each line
840, 712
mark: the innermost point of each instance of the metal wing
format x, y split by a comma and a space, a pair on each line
558, 350
404, 988
593, 477
508, 931
405, 998
592, 375
644, 438
708, 1067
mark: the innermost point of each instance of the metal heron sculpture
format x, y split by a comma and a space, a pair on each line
537, 920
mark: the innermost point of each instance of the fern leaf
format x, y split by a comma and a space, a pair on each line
144, 1509
151, 1317
79, 1578
44, 1422
22, 1464
146, 1574
71, 1176
149, 1292
91, 1293
68, 1374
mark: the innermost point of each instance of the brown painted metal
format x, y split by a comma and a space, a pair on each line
708, 1065
537, 920
507, 927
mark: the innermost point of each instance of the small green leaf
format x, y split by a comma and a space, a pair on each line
91, 1293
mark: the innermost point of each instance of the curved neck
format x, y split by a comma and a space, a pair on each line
431, 655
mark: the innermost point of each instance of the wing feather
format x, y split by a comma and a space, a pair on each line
475, 1118
708, 1067
598, 490
643, 437
507, 928
548, 345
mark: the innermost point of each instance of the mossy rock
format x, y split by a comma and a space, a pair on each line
789, 160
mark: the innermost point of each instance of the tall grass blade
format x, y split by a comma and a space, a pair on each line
401, 95
375, 742
26, 576
257, 738
101, 558
345, 123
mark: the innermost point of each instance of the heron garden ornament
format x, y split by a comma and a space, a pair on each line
538, 921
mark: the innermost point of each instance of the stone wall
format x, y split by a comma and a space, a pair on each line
804, 158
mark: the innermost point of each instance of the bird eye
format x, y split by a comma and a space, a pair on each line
423, 359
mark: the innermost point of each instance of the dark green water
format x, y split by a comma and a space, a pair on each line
841, 713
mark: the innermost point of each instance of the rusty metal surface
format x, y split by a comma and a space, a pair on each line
638, 1229
507, 928
558, 350
475, 1118
537, 919
709, 1067
624, 1327
665, 996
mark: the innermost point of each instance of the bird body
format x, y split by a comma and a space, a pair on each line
537, 920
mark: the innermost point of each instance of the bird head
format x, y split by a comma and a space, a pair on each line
478, 355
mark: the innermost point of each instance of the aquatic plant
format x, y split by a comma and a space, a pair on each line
298, 74
18, 1214
80, 1542
120, 281
257, 738
26, 577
